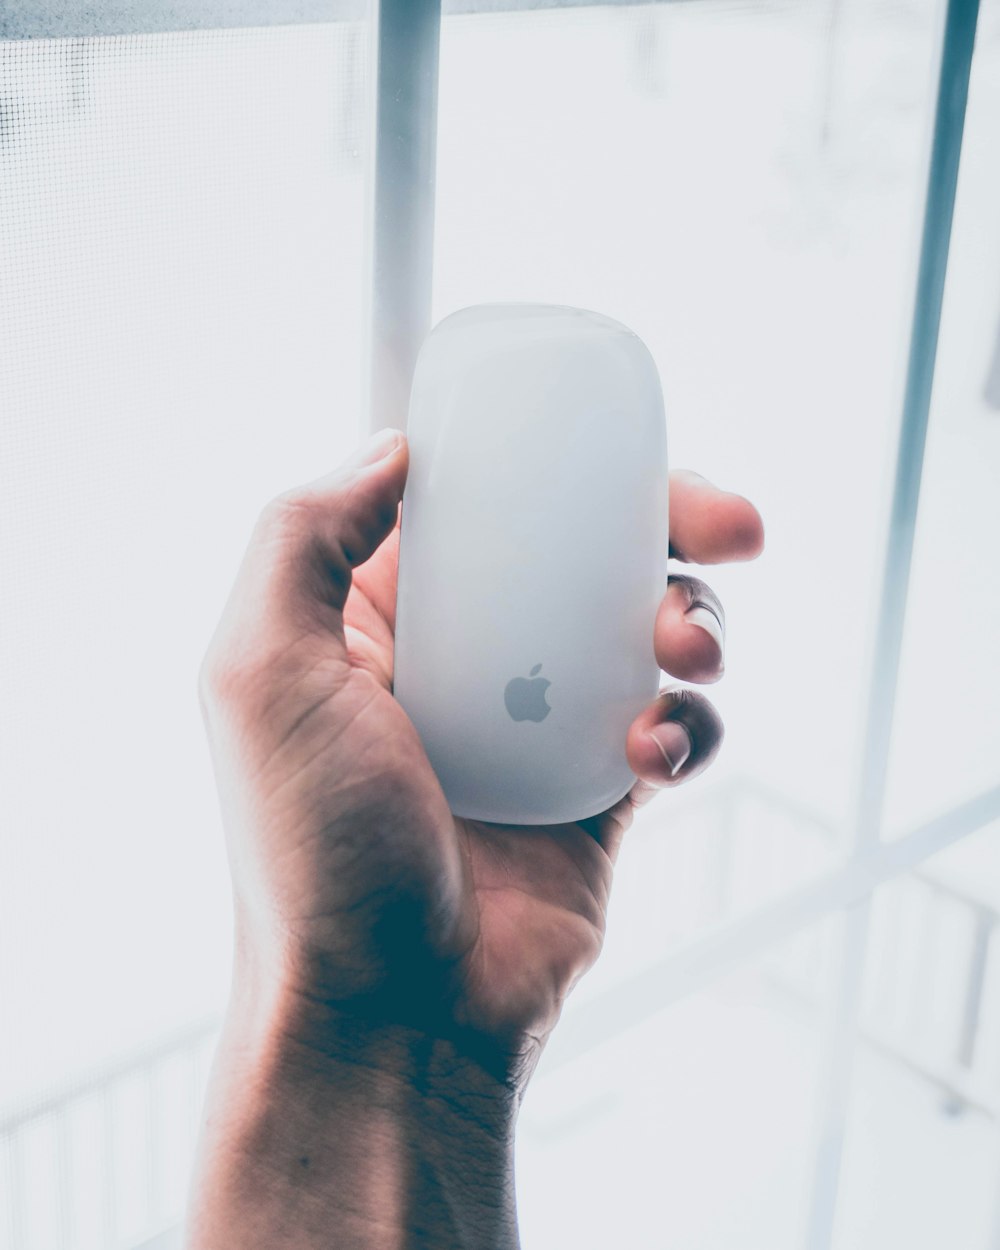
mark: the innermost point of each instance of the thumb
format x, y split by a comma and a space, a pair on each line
307, 541
327, 527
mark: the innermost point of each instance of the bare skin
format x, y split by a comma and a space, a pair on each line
397, 969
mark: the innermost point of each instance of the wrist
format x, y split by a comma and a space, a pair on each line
319, 1120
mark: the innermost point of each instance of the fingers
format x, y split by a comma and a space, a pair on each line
344, 516
314, 536
678, 736
297, 568
674, 739
689, 631
711, 526
670, 742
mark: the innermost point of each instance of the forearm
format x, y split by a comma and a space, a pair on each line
343, 1135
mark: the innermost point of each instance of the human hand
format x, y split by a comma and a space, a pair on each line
397, 969
349, 870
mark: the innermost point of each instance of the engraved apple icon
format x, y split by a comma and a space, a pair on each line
525, 697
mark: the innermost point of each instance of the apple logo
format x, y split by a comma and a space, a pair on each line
525, 697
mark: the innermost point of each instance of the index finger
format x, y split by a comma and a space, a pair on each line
711, 526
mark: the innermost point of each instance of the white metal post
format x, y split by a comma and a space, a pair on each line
400, 218
942, 180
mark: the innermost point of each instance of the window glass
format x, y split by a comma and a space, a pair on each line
181, 286
180, 276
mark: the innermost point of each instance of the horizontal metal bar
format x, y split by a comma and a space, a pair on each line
60, 19
521, 6
738, 941
57, 19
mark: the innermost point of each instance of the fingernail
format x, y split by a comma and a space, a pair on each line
381, 444
673, 742
706, 619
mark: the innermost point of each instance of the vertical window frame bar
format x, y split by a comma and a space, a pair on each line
954, 70
402, 153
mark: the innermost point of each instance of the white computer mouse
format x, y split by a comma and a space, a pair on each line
532, 560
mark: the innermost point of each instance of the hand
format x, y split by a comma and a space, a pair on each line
397, 969
349, 870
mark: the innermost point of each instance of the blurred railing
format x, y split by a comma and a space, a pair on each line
102, 1163
944, 1031
117, 1144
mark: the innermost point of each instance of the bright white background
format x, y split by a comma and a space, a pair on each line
181, 237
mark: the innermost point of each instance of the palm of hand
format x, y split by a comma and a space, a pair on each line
511, 916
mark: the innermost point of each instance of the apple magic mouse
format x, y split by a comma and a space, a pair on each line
532, 558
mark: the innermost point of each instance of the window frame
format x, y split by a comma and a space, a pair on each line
404, 42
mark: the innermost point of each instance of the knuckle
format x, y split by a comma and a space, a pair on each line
289, 515
219, 677
230, 672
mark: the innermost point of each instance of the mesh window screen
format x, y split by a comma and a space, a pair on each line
180, 281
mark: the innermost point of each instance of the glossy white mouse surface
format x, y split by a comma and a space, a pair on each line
533, 557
